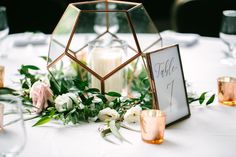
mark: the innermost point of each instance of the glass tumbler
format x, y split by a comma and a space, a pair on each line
228, 35
12, 130
4, 29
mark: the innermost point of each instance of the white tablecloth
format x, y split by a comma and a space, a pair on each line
210, 131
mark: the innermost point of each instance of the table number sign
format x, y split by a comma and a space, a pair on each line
168, 84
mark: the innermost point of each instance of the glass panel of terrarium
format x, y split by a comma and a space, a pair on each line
147, 34
65, 27
55, 51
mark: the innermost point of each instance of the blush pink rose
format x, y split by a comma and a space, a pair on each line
40, 93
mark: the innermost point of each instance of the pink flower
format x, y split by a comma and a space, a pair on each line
40, 93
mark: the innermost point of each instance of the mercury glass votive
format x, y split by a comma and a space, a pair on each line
1, 76
227, 90
152, 124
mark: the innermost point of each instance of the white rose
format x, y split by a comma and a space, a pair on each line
132, 115
64, 102
108, 114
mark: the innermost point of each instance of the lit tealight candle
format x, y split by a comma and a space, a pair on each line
1, 116
1, 76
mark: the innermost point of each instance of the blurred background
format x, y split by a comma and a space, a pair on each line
188, 16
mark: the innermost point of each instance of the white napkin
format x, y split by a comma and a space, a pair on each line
183, 39
28, 38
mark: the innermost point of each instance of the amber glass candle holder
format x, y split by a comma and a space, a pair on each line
152, 124
227, 90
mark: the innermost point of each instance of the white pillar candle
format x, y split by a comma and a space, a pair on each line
1, 116
103, 61
1, 76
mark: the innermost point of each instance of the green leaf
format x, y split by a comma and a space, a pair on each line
25, 85
146, 81
113, 94
46, 58
42, 121
5, 90
104, 99
31, 67
93, 90
28, 110
52, 112
63, 88
89, 101
54, 87
82, 97
105, 132
76, 115
212, 98
191, 100
73, 119
114, 130
80, 84
202, 98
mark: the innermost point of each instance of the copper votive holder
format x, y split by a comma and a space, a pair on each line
227, 90
152, 124
1, 76
1, 116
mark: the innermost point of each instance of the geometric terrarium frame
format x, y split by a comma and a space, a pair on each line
84, 22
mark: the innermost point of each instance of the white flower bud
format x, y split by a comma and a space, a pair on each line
108, 114
64, 102
132, 115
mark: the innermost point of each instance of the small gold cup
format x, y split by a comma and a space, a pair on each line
1, 76
152, 124
227, 91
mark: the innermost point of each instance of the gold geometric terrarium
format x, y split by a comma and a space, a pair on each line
101, 38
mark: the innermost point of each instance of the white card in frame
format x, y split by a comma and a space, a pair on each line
168, 83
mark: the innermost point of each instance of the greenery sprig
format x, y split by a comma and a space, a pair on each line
201, 99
